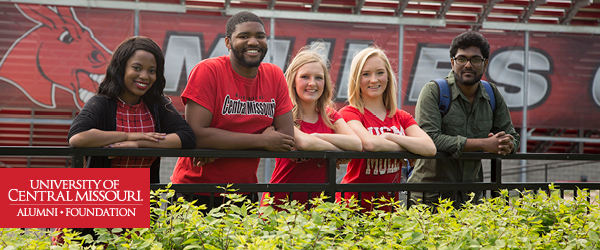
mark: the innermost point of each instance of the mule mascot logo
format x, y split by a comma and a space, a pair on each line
58, 52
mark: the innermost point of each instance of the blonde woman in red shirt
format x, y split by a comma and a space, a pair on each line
381, 126
318, 127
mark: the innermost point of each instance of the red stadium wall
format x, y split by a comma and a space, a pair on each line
51, 58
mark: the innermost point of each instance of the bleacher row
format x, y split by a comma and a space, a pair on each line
563, 146
32, 127
49, 128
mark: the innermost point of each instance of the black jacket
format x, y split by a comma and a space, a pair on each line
100, 112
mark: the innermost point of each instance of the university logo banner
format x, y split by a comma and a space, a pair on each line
75, 198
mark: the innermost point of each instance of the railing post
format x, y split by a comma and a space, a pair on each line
330, 190
77, 159
496, 178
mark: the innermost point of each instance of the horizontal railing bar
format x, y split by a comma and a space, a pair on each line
561, 185
515, 171
36, 151
542, 166
41, 151
330, 187
432, 186
544, 156
373, 187
266, 187
66, 151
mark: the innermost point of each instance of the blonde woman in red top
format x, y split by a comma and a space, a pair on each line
381, 126
318, 127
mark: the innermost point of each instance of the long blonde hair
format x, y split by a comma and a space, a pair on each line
306, 55
354, 93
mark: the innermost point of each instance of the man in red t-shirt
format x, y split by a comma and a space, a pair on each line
235, 102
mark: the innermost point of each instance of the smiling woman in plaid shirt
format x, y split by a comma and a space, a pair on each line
130, 110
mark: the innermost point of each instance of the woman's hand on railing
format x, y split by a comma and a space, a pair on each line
123, 144
146, 136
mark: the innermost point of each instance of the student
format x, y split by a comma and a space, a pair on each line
130, 110
381, 126
470, 124
235, 102
318, 127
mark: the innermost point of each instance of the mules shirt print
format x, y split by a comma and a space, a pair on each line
384, 166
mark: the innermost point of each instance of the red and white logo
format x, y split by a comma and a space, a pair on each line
58, 52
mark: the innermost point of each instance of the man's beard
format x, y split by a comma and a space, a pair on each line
240, 56
470, 82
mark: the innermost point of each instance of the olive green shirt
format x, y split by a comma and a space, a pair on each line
450, 132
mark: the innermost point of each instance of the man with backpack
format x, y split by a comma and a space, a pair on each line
461, 113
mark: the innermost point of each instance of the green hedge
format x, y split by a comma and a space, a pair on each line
535, 221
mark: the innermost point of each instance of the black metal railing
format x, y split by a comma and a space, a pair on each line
330, 187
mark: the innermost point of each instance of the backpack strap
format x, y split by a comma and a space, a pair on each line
445, 101
445, 95
490, 92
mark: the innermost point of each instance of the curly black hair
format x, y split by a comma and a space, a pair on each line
468, 39
113, 84
241, 17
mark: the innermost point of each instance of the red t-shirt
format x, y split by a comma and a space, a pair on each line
238, 104
303, 170
375, 170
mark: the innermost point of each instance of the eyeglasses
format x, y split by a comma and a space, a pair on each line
475, 61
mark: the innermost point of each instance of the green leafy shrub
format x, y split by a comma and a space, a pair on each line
539, 220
